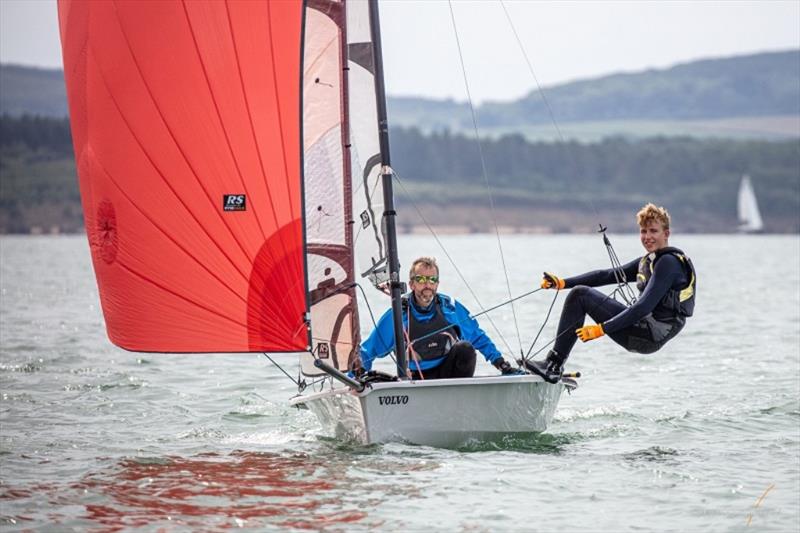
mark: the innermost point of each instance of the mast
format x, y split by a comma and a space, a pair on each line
389, 213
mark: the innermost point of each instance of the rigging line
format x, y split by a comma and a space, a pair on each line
619, 273
541, 91
501, 304
567, 330
449, 257
544, 323
483, 168
457, 323
295, 381
366, 302
303, 385
374, 324
473, 317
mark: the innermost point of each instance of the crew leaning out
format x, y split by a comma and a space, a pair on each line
440, 334
666, 281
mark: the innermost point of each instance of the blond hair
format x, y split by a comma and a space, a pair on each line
650, 213
426, 261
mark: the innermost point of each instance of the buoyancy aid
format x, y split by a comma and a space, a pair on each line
431, 345
676, 305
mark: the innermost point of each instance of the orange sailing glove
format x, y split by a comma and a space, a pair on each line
550, 281
587, 333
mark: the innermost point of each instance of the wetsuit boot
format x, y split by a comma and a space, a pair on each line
550, 369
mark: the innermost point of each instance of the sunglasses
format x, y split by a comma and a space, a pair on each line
425, 279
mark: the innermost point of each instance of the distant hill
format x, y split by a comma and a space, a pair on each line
33, 91
743, 86
751, 96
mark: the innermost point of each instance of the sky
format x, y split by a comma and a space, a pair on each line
563, 40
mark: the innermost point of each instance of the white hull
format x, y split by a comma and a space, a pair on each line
442, 412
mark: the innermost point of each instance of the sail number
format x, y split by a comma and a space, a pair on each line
393, 400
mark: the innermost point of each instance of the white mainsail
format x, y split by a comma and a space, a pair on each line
749, 215
343, 196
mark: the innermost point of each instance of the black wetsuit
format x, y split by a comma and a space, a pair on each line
643, 327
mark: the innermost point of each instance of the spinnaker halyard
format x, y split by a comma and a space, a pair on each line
236, 186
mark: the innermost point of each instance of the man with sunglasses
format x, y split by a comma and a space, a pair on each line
441, 336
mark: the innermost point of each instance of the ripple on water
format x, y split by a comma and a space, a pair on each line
28, 367
21, 348
204, 433
23, 397
570, 415
653, 454
536, 443
212, 490
253, 408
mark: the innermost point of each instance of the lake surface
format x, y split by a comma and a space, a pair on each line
702, 436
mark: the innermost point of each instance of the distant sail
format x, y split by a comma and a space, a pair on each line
749, 214
187, 133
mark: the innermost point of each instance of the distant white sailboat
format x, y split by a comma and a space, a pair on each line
749, 214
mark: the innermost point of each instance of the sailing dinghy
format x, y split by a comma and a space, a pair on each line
749, 215
235, 177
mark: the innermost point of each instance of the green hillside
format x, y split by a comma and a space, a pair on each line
754, 96
697, 179
540, 186
743, 86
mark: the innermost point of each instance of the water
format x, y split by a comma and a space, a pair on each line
690, 439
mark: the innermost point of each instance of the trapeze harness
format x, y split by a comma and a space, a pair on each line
669, 315
437, 335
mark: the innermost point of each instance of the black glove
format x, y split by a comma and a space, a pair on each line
505, 368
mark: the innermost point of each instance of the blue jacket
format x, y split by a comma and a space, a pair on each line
381, 340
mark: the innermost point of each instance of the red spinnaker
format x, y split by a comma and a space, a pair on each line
186, 121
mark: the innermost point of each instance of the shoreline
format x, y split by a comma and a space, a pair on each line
451, 230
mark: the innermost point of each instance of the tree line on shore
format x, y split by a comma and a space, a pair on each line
697, 179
